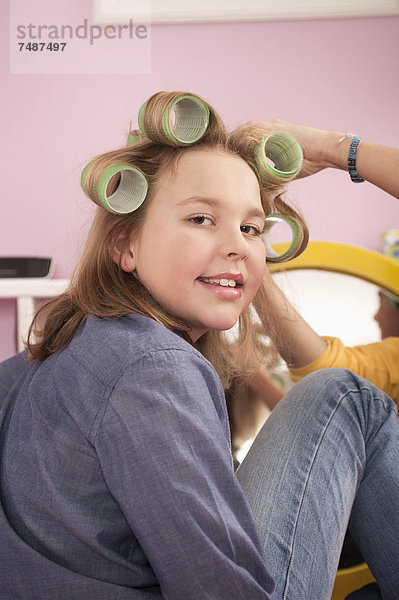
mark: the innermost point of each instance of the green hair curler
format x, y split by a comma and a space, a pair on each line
270, 221
128, 196
284, 151
186, 126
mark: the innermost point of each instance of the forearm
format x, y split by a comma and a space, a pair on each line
296, 341
375, 163
263, 386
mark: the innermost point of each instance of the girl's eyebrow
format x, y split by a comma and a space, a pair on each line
215, 203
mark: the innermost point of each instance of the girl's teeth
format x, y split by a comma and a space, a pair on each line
222, 282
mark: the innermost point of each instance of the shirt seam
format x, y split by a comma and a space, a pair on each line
109, 387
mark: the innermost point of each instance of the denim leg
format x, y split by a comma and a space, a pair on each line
328, 453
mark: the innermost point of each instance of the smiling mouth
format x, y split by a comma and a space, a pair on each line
223, 282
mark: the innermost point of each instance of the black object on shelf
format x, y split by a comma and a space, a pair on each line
24, 266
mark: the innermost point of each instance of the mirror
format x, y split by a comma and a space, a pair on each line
334, 304
335, 288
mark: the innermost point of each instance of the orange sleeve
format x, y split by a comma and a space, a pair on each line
378, 362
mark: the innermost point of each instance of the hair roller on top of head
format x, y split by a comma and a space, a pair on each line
283, 150
292, 250
130, 193
174, 119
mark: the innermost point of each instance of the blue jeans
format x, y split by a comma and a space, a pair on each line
328, 456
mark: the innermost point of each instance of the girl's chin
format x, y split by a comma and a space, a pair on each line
196, 333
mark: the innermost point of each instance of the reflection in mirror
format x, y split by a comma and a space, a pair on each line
334, 304
340, 272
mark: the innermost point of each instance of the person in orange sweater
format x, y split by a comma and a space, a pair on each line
305, 351
299, 345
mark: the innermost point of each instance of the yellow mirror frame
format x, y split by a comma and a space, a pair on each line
344, 258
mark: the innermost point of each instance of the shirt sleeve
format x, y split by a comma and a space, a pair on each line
10, 371
376, 362
164, 449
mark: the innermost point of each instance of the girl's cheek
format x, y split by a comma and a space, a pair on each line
261, 273
262, 260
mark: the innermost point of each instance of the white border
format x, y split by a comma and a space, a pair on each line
180, 11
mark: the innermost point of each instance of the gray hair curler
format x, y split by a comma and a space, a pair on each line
270, 221
128, 196
183, 121
284, 151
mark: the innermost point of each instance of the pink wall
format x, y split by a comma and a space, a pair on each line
337, 74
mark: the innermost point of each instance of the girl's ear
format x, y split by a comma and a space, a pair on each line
122, 254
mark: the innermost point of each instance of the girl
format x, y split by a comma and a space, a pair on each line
116, 471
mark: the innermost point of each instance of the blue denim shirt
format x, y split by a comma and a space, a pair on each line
116, 474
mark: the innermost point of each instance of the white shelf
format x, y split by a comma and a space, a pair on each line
27, 291
36, 287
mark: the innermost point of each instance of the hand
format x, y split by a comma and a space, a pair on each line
318, 146
375, 163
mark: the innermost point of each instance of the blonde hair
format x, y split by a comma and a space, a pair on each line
100, 287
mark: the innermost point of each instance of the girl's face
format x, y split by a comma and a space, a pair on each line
199, 250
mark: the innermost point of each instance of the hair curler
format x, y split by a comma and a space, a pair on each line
182, 121
270, 221
129, 194
284, 151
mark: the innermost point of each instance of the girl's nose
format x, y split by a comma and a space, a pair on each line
234, 244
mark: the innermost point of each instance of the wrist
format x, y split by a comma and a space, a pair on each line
350, 164
336, 150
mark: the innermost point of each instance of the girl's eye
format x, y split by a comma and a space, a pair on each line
251, 230
201, 220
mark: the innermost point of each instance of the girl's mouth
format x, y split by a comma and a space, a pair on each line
223, 282
226, 286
